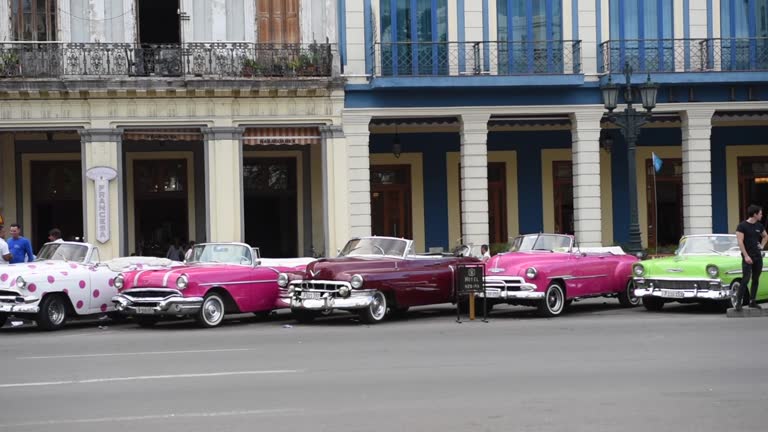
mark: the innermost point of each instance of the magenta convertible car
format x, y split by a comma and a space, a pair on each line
549, 271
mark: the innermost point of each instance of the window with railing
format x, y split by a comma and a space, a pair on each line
530, 35
644, 30
33, 20
414, 37
744, 35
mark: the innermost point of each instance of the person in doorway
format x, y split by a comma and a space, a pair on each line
5, 252
485, 253
19, 246
175, 252
54, 236
188, 252
752, 238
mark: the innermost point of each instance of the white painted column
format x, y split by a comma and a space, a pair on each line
356, 49
103, 148
359, 171
588, 35
474, 178
587, 211
224, 184
5, 22
697, 171
335, 185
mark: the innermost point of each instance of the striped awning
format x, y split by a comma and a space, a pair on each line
290, 135
186, 134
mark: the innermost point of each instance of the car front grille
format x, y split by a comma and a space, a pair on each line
142, 293
314, 289
8, 293
677, 284
508, 283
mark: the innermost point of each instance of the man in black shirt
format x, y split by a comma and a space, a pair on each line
752, 238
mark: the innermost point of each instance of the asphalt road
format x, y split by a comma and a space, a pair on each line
597, 368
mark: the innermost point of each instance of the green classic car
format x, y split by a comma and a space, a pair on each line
705, 269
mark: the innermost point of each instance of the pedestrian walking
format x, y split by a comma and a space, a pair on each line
5, 252
752, 238
54, 235
485, 253
20, 248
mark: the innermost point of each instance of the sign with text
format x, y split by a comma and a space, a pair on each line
471, 278
101, 177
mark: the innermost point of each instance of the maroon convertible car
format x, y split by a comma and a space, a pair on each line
373, 275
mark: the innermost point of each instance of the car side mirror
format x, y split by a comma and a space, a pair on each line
257, 262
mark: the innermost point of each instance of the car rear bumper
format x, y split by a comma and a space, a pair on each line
173, 305
19, 304
705, 289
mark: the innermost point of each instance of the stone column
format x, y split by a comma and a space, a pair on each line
224, 184
585, 136
359, 172
103, 148
697, 170
474, 178
335, 186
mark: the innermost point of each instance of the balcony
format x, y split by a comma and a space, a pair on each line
477, 60
210, 60
684, 55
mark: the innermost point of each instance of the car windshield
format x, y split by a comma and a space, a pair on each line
383, 246
709, 245
221, 253
63, 252
547, 242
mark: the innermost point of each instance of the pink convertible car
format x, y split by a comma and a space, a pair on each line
549, 271
218, 279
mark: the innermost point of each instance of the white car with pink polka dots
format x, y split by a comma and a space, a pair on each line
66, 280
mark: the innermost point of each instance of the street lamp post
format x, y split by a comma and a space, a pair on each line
629, 122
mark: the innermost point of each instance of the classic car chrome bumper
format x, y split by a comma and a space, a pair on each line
680, 288
172, 304
509, 288
19, 304
357, 300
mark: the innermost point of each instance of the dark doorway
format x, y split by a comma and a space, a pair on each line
562, 181
159, 22
753, 184
391, 201
57, 201
160, 205
497, 202
270, 206
664, 190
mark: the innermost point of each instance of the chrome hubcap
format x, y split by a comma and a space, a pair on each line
56, 313
631, 293
554, 298
735, 293
379, 306
213, 310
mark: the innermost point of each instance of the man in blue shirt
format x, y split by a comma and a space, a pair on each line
21, 249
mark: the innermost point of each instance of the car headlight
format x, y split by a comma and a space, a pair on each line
712, 270
21, 283
530, 272
182, 282
344, 291
282, 280
638, 269
356, 281
119, 281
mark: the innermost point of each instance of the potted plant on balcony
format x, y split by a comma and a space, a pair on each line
10, 64
251, 68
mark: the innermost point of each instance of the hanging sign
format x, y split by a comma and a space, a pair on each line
101, 177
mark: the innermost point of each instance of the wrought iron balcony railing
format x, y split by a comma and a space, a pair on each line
410, 59
685, 55
202, 59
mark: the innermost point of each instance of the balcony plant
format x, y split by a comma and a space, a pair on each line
251, 68
10, 64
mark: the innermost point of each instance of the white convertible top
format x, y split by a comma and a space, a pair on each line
131, 263
285, 262
614, 250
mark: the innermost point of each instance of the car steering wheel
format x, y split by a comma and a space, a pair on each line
244, 258
380, 249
